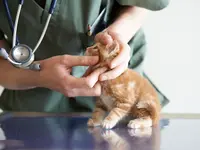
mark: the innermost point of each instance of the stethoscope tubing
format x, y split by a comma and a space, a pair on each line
13, 27
10, 21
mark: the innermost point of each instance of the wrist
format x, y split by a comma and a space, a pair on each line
16, 78
26, 79
42, 76
33, 78
37, 77
128, 22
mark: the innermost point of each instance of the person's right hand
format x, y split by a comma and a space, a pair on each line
55, 75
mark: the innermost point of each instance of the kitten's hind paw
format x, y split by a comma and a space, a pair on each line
140, 123
93, 123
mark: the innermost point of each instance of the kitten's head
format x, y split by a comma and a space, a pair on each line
108, 52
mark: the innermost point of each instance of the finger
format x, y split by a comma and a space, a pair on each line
95, 91
114, 73
104, 38
71, 61
121, 57
75, 82
93, 78
88, 71
86, 81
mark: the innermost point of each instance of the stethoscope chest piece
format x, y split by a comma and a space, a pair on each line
23, 55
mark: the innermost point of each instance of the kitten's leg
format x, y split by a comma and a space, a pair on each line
92, 51
98, 114
119, 112
142, 125
142, 120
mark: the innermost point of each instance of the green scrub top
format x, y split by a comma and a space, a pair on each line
67, 34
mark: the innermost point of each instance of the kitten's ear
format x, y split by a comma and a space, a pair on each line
92, 51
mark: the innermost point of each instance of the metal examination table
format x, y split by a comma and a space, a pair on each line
43, 131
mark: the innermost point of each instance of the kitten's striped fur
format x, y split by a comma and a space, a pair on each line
130, 94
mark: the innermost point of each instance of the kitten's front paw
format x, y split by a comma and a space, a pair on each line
93, 123
108, 124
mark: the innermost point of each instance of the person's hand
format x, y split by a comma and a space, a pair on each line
55, 75
120, 63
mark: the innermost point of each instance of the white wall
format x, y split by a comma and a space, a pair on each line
174, 48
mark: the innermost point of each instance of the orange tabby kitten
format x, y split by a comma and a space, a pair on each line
129, 95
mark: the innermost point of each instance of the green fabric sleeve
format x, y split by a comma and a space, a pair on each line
153, 5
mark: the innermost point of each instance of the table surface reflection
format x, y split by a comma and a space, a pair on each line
36, 131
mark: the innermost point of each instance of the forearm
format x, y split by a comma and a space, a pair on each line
129, 21
15, 78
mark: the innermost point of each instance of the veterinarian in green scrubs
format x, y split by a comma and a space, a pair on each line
74, 26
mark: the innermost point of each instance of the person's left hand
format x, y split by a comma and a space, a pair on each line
119, 64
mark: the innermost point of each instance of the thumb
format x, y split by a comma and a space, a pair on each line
93, 77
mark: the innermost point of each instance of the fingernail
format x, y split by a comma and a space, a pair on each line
91, 85
104, 78
113, 66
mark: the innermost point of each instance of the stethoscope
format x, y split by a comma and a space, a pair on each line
21, 55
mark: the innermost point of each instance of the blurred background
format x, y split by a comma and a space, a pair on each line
172, 59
